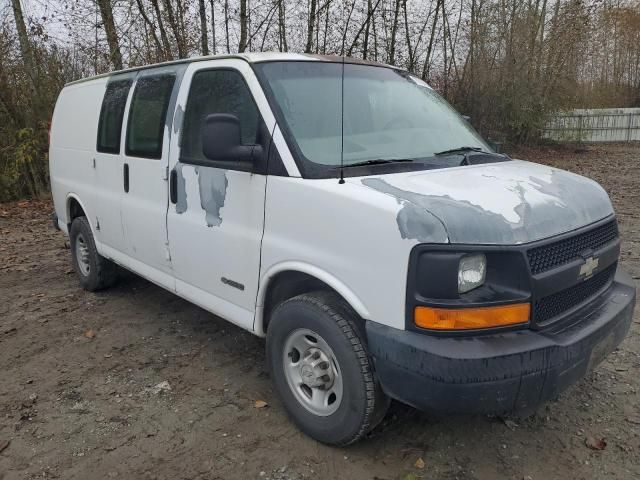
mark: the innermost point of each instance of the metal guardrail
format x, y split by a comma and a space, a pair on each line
595, 125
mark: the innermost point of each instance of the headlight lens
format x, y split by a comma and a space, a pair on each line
471, 272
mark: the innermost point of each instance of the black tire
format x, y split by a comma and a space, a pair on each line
363, 403
101, 272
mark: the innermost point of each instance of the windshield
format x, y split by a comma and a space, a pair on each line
388, 114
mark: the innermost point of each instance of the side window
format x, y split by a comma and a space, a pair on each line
111, 113
147, 115
217, 91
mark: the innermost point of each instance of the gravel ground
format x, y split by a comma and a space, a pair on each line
134, 382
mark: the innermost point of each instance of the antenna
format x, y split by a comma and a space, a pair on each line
341, 181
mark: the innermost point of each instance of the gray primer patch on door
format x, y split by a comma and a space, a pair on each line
177, 119
213, 191
181, 204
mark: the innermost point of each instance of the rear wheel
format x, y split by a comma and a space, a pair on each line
93, 270
321, 370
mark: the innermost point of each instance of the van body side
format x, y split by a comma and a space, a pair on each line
345, 212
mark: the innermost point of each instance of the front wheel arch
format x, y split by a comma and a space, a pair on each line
289, 279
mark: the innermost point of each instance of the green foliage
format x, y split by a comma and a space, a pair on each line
26, 106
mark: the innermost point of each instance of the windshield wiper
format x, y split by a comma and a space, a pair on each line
461, 150
378, 161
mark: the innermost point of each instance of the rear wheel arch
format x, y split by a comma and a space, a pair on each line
74, 210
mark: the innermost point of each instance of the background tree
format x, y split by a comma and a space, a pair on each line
506, 63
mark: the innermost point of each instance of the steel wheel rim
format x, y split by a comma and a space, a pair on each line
312, 372
82, 255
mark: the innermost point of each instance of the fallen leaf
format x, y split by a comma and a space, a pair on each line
595, 443
419, 463
90, 333
510, 423
4, 444
634, 420
410, 476
260, 404
161, 387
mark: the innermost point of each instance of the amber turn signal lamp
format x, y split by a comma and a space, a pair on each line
471, 318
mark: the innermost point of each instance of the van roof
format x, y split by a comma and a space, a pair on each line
253, 57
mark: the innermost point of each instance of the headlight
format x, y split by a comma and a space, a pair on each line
472, 271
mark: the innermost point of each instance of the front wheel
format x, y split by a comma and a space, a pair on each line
321, 370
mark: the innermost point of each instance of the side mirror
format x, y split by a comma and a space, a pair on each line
222, 140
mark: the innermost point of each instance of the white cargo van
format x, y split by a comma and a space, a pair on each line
346, 212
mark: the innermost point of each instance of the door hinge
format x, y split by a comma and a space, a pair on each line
97, 224
167, 251
94, 162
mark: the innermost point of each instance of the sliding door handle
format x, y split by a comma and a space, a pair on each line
173, 186
125, 177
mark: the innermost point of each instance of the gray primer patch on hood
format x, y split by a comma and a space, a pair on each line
213, 191
181, 204
572, 202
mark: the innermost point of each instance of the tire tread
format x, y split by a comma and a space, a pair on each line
346, 319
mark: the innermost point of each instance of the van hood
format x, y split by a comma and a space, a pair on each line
504, 203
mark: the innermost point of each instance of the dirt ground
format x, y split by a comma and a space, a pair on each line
82, 393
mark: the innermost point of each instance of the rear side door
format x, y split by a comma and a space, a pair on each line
215, 226
107, 165
144, 173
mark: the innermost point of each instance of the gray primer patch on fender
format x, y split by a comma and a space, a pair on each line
213, 191
181, 204
414, 222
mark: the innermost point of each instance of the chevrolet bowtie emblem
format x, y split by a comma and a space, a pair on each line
589, 266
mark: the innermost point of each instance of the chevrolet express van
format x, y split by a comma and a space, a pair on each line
344, 211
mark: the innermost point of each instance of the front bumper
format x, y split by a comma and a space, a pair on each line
502, 372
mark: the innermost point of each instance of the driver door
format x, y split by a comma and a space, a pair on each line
216, 217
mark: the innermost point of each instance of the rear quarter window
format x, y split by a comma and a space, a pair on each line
111, 113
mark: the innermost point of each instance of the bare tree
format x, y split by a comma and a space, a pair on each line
243, 26
204, 42
394, 31
175, 28
106, 12
150, 27
213, 25
226, 25
282, 27
25, 45
310, 26
163, 33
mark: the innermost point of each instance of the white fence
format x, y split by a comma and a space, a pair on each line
595, 125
